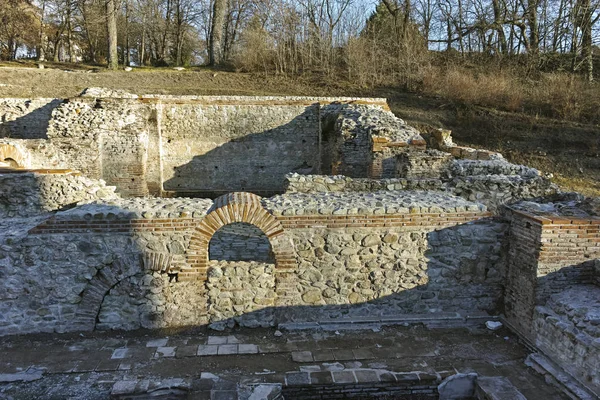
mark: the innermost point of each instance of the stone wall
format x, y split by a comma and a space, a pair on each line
385, 272
566, 329
125, 264
25, 194
242, 293
550, 295
187, 144
214, 148
493, 183
113, 262
26, 118
496, 182
297, 183
422, 164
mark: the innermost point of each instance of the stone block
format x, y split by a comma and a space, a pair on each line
321, 378
302, 356
227, 349
343, 377
366, 376
208, 350
297, 378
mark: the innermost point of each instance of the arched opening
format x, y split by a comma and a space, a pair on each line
241, 276
240, 241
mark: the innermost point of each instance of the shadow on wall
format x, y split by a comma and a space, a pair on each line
255, 163
585, 273
114, 269
565, 318
32, 124
245, 292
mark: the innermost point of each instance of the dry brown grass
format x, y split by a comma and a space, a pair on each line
555, 95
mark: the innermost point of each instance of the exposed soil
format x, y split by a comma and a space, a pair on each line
569, 151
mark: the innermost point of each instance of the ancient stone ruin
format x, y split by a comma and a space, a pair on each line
126, 212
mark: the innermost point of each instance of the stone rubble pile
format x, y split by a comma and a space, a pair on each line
490, 167
358, 120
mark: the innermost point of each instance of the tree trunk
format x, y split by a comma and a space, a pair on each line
498, 22
216, 33
111, 19
587, 50
126, 59
532, 19
70, 33
41, 52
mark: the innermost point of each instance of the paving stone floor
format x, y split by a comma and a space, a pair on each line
218, 365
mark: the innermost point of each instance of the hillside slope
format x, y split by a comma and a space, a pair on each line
568, 150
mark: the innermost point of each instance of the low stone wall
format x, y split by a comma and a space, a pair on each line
297, 183
25, 194
566, 329
369, 203
378, 271
496, 191
496, 182
490, 167
493, 183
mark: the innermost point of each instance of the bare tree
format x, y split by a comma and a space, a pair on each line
216, 32
111, 23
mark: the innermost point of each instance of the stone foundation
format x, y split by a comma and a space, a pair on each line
567, 328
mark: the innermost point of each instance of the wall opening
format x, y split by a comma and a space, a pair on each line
240, 241
241, 277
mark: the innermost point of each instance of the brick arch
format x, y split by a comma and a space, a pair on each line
98, 287
239, 207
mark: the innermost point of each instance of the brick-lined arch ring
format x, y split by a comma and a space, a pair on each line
10, 152
239, 207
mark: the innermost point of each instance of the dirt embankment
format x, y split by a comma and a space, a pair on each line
568, 150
